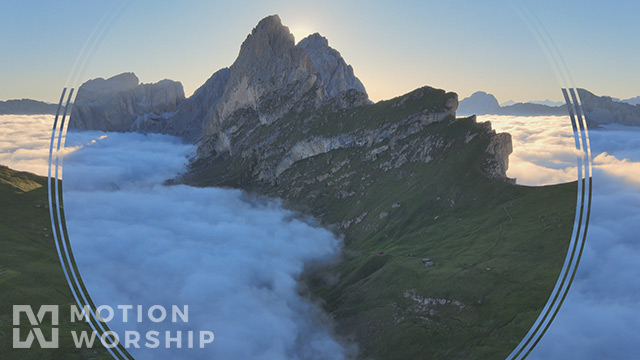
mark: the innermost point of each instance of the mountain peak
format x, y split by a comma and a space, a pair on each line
479, 102
269, 21
271, 68
120, 82
314, 40
268, 34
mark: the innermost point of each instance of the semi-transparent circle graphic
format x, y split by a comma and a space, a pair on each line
575, 115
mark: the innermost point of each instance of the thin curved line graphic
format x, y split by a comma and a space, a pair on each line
54, 201
63, 233
63, 248
58, 223
584, 191
560, 290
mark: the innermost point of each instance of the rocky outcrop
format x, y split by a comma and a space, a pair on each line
385, 136
287, 152
118, 103
499, 148
602, 110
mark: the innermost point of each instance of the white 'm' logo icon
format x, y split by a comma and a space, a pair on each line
51, 344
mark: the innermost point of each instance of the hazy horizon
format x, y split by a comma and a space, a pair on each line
489, 49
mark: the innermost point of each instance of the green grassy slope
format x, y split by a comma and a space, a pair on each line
497, 248
30, 272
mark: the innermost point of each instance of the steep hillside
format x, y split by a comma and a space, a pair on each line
30, 272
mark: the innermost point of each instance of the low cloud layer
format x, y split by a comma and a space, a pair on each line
24, 142
234, 260
543, 148
600, 318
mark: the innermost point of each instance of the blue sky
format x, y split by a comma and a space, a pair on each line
461, 46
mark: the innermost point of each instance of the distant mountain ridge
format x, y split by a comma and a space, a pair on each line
482, 103
631, 101
27, 107
115, 104
598, 110
602, 110
479, 103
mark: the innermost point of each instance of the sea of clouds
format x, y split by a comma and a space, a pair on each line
543, 148
600, 317
235, 259
24, 142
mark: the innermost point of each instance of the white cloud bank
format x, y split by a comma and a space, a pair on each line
600, 317
234, 260
24, 142
543, 148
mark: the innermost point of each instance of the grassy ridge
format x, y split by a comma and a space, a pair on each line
497, 251
30, 270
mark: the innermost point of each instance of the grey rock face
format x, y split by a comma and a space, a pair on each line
410, 129
187, 121
500, 146
268, 62
116, 103
602, 110
271, 77
272, 155
335, 75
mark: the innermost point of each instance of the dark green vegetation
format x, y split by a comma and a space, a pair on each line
30, 272
497, 248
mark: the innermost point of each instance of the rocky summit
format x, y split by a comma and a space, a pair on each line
270, 77
400, 181
120, 102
